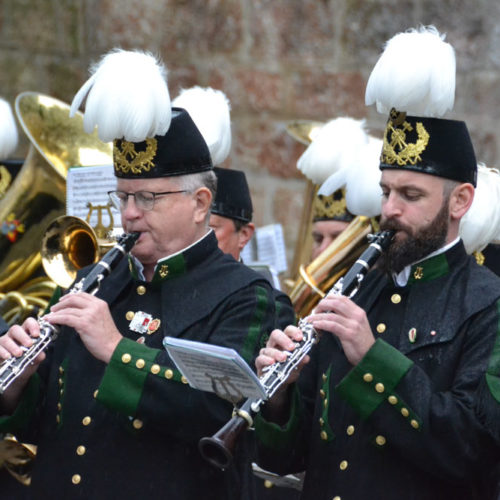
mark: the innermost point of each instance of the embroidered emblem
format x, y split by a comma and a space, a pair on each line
330, 206
397, 149
140, 322
153, 326
12, 227
5, 179
163, 272
127, 159
418, 273
412, 335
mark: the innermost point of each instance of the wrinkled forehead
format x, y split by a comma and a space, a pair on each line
156, 184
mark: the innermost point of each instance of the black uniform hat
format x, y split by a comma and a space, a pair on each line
232, 199
414, 81
133, 109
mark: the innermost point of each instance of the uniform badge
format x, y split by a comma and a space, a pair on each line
140, 322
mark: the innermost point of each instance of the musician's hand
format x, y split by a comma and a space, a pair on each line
11, 345
91, 318
346, 320
276, 349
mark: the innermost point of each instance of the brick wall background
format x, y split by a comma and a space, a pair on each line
276, 60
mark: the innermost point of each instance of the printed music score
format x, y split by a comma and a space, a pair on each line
216, 369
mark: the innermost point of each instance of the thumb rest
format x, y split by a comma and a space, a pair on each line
12, 368
218, 449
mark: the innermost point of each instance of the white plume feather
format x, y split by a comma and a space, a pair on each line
415, 73
361, 180
127, 97
481, 224
335, 147
210, 111
8, 130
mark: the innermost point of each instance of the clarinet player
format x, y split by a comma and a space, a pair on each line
110, 413
401, 397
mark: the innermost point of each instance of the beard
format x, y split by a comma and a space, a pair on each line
417, 244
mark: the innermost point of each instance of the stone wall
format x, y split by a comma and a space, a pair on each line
277, 60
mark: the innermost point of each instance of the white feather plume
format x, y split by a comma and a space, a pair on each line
210, 111
415, 73
481, 224
127, 97
8, 130
335, 147
361, 181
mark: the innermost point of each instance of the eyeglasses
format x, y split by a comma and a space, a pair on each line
144, 200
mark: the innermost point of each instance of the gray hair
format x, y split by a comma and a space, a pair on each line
192, 182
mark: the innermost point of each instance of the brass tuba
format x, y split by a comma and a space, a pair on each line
38, 193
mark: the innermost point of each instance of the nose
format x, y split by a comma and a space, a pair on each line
130, 211
391, 206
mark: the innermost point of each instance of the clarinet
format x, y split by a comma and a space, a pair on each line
11, 368
218, 449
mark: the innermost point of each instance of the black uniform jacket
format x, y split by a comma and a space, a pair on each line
419, 416
130, 429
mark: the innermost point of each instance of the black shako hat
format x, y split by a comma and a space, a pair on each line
232, 199
434, 146
181, 151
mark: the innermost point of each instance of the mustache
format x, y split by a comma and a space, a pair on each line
394, 225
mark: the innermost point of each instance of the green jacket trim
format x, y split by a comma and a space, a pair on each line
493, 371
429, 269
275, 436
367, 385
124, 377
248, 348
25, 409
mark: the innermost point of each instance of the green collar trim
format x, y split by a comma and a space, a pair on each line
429, 269
166, 269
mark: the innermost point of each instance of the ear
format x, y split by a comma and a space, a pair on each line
245, 234
460, 200
203, 200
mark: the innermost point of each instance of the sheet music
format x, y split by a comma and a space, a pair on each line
268, 247
214, 369
90, 184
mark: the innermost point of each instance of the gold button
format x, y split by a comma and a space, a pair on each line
393, 400
325, 403
350, 430
396, 298
155, 369
380, 387
140, 364
343, 465
96, 392
126, 358
141, 290
169, 373
81, 450
367, 377
86, 420
184, 380
322, 393
414, 424
76, 479
404, 412
130, 315
59, 406
381, 328
137, 423
321, 422
268, 484
61, 370
58, 419
61, 382
380, 440
336, 498
61, 392
323, 435
324, 377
